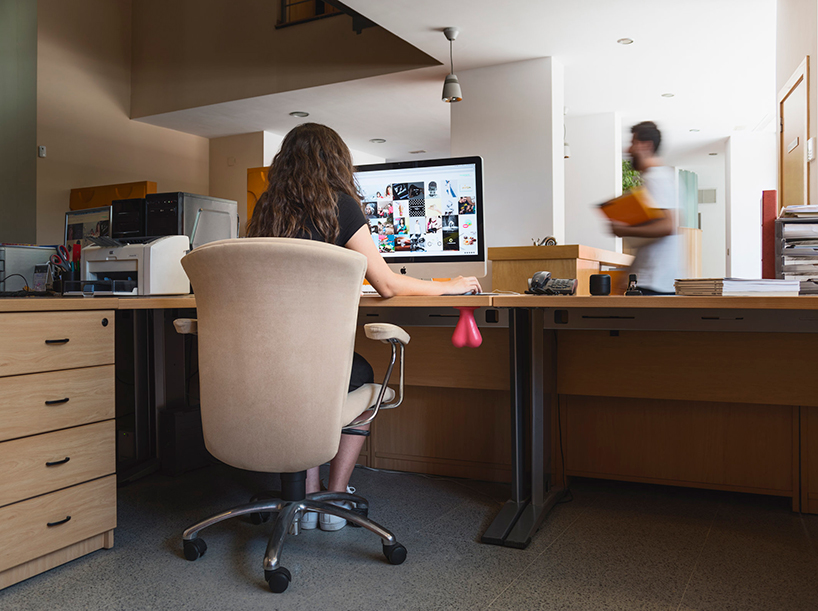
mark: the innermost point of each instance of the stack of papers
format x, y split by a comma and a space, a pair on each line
808, 211
743, 287
799, 250
737, 287
809, 287
800, 230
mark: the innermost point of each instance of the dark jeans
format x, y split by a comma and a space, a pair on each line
361, 372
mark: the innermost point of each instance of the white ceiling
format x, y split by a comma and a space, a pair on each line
716, 56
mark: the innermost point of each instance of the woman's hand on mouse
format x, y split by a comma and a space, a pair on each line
462, 285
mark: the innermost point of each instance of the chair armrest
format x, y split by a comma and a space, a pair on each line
384, 331
186, 326
396, 337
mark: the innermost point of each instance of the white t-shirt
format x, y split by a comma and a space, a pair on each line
658, 261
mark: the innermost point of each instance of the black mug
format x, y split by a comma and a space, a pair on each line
600, 284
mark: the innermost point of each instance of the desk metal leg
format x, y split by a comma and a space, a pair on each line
531, 393
496, 533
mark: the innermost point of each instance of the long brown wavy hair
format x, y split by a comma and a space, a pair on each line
313, 167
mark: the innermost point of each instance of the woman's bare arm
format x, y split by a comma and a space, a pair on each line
390, 284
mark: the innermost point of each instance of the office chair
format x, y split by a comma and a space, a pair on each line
276, 321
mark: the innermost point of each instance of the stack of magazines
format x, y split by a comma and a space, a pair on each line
799, 251
737, 287
801, 211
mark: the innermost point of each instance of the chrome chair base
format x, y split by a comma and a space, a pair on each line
286, 522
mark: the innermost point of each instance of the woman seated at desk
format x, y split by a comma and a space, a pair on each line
312, 195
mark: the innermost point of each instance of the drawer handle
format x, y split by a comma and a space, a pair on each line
57, 401
54, 463
49, 524
51, 342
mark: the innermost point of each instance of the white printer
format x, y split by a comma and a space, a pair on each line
153, 268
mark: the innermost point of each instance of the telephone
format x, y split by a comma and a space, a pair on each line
543, 284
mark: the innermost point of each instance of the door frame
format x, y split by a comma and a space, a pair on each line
800, 75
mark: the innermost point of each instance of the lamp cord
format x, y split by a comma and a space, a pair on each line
451, 58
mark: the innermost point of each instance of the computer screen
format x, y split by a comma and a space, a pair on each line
426, 216
82, 224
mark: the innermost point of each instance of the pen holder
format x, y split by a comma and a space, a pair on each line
466, 333
71, 282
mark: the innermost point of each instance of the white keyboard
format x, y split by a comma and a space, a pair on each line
368, 289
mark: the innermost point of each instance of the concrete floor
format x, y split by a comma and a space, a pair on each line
615, 546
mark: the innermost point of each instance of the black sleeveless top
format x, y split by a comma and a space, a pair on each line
350, 219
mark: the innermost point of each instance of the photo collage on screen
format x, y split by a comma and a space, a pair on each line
435, 215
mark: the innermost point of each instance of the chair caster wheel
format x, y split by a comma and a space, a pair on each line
259, 517
278, 580
194, 549
395, 554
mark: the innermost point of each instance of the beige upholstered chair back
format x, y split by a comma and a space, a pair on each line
276, 326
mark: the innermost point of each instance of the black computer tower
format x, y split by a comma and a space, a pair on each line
128, 218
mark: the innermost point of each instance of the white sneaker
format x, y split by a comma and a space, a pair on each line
331, 523
309, 520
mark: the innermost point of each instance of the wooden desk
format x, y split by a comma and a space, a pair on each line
708, 392
455, 419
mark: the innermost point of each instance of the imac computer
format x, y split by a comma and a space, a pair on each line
426, 216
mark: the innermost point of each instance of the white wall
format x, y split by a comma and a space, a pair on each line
272, 142
750, 168
83, 114
230, 158
512, 116
361, 158
711, 175
593, 174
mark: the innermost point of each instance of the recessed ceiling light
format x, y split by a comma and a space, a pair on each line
299, 113
667, 95
377, 140
712, 154
418, 152
625, 41
694, 130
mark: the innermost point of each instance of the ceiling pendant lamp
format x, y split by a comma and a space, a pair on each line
451, 86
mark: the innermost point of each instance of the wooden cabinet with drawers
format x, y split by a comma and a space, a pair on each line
57, 438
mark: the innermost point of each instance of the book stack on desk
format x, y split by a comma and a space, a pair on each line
737, 287
699, 286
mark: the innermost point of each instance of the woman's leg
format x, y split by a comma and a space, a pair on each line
340, 467
313, 480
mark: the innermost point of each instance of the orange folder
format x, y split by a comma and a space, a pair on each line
633, 208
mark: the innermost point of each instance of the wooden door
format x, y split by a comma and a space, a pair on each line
793, 110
